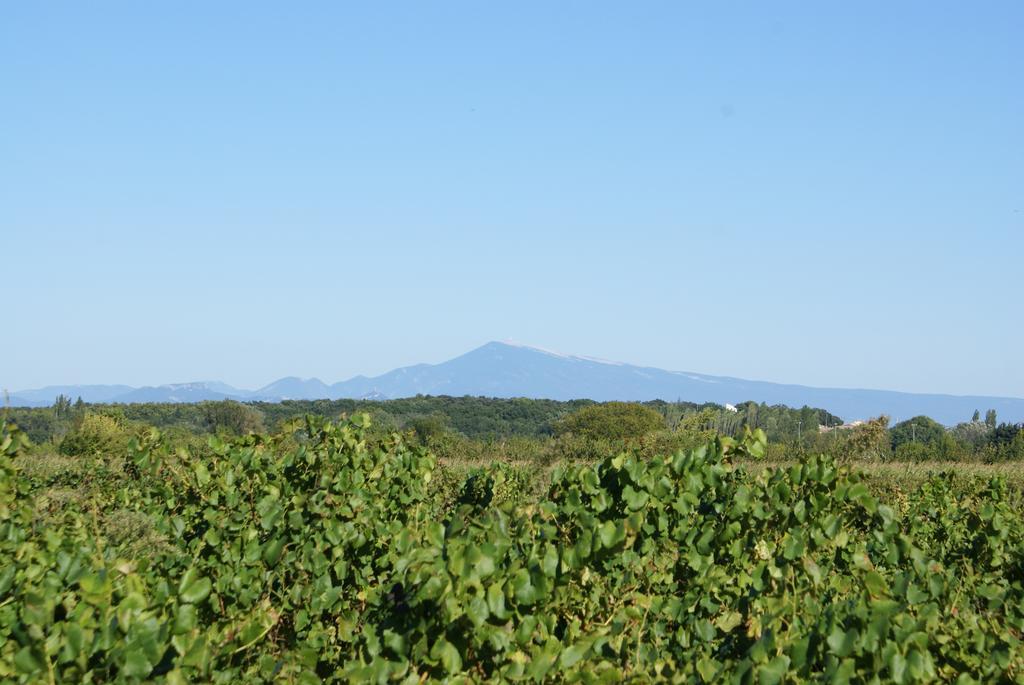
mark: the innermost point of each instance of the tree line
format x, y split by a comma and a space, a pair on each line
474, 427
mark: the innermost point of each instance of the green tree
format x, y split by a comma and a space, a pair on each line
611, 421
869, 440
1007, 441
428, 428
61, 406
97, 434
976, 417
696, 429
1015, 450
990, 418
972, 434
1005, 433
918, 429
229, 416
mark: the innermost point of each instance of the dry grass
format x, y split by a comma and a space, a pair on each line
76, 483
911, 473
908, 474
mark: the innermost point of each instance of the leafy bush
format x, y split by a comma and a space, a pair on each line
97, 434
912, 451
868, 441
918, 429
497, 485
611, 421
318, 555
234, 418
973, 434
427, 428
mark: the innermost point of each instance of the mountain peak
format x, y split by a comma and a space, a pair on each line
294, 388
508, 368
514, 345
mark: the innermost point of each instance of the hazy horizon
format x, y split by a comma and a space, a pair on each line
514, 343
822, 196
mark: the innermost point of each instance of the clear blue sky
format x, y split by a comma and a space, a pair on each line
818, 193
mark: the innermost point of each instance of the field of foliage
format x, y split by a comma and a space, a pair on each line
328, 552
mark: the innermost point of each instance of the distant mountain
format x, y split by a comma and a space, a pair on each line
293, 388
506, 370
183, 392
44, 397
217, 386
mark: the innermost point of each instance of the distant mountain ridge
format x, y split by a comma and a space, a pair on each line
508, 370
293, 388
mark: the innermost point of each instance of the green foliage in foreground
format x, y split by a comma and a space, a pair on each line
322, 554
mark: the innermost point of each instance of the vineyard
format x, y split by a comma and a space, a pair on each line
329, 553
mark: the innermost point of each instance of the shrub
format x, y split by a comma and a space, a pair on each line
318, 556
231, 417
611, 421
918, 429
97, 434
